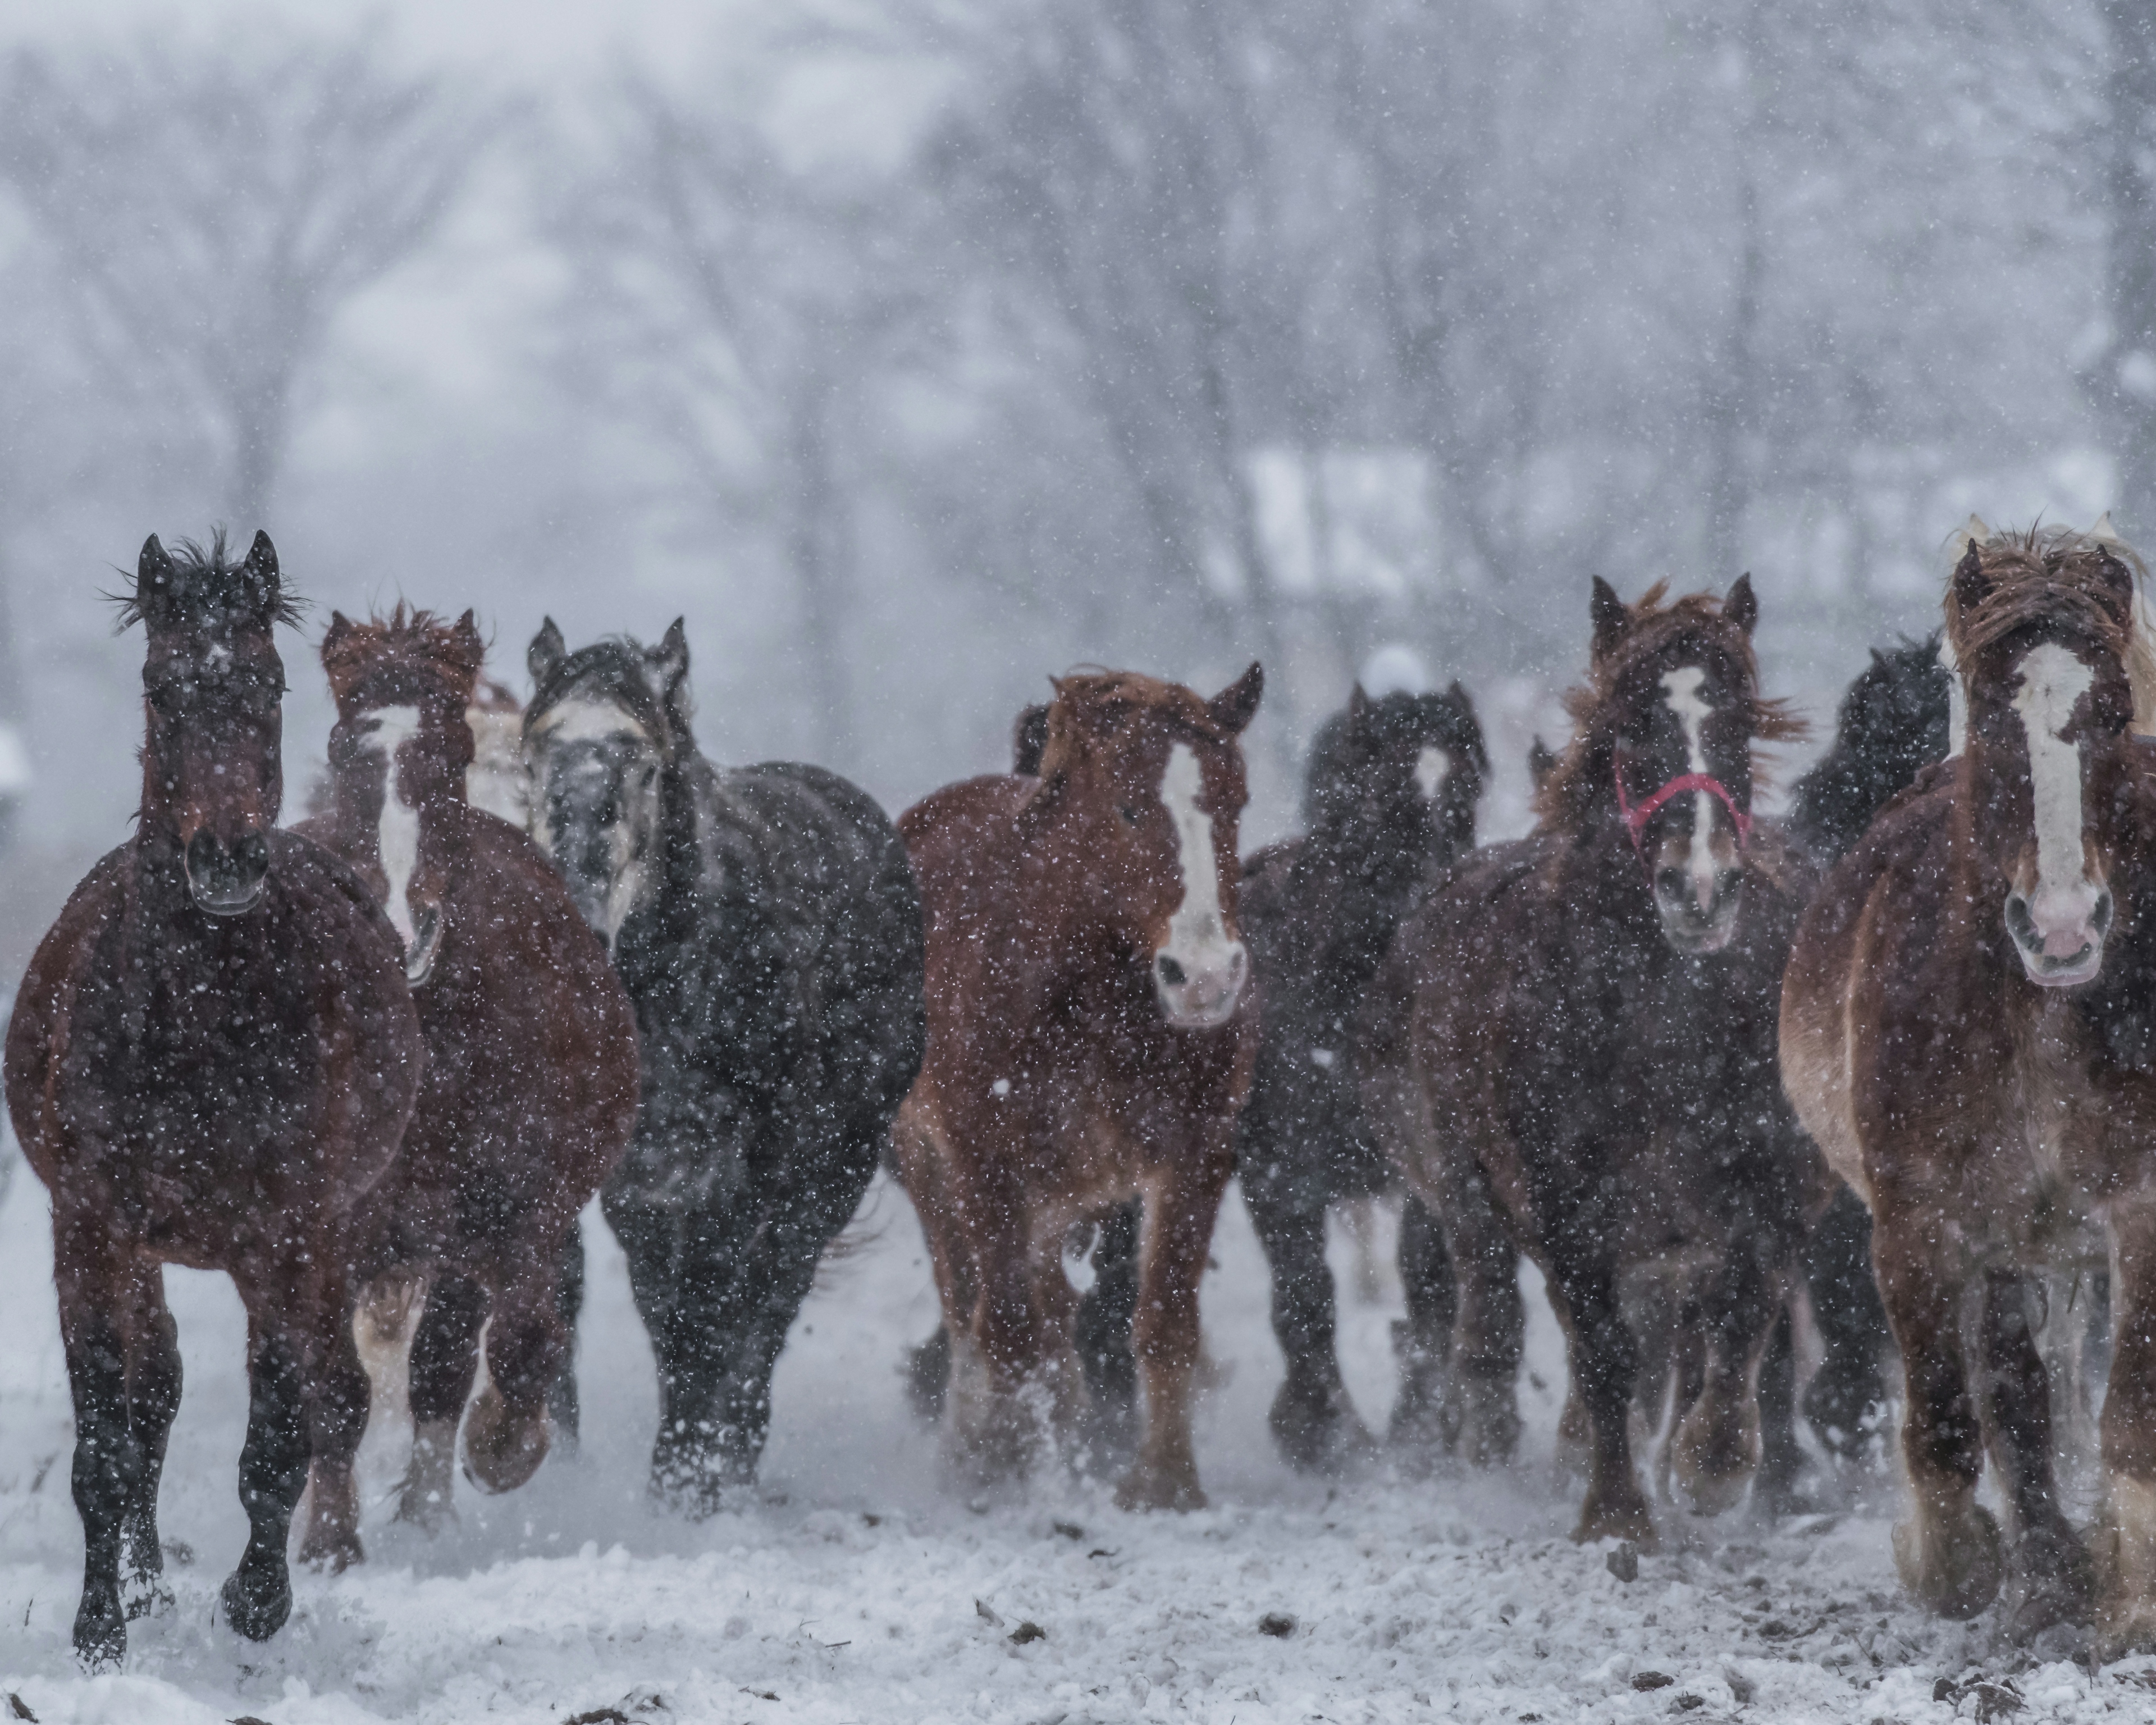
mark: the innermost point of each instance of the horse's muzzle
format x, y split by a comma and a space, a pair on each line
1198, 994
2060, 939
225, 880
1696, 921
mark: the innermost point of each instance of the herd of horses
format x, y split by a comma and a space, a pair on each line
1889, 1062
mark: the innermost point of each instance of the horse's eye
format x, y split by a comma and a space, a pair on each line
1131, 816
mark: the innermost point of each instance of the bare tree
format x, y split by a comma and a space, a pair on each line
215, 207
745, 307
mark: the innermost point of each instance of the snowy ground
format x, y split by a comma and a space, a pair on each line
854, 1589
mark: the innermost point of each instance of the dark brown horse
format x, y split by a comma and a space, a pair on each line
531, 1090
211, 1063
1087, 1043
1390, 797
1572, 1047
1967, 1027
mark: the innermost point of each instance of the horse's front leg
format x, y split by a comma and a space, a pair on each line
92, 1279
257, 1596
1716, 1446
527, 1347
1480, 1412
2052, 1566
153, 1402
1948, 1551
2126, 1535
1180, 1210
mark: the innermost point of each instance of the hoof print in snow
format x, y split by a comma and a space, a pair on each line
1029, 1631
1623, 1562
1068, 1530
1646, 1682
1276, 1624
1994, 1700
1688, 1704
599, 1716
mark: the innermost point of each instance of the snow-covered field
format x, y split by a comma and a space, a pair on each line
854, 1589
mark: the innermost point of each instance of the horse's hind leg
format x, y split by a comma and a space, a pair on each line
1312, 1419
2053, 1568
1104, 1329
2126, 1535
92, 1280
1852, 1326
1949, 1550
561, 1403
153, 1401
1178, 1230
445, 1362
526, 1345
1717, 1443
1481, 1414
1422, 1341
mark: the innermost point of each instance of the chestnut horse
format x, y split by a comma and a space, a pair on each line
1087, 1045
1572, 1047
1966, 1027
531, 1090
212, 1060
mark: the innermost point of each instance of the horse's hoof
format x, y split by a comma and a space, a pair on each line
257, 1609
1626, 1519
927, 1373
1953, 1569
1317, 1434
331, 1551
1716, 1453
100, 1631
146, 1595
503, 1449
2054, 1584
1158, 1488
1483, 1422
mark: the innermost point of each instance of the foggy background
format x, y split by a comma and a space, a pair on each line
916, 350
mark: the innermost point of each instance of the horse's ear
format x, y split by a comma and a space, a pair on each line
671, 658
1464, 704
1235, 705
2103, 529
1968, 585
1542, 762
1742, 607
260, 569
1358, 705
334, 636
2120, 580
1611, 618
544, 656
467, 646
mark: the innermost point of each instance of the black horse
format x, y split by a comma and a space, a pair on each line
765, 922
1389, 798
1893, 722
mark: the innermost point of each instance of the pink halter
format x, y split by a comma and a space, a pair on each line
1636, 817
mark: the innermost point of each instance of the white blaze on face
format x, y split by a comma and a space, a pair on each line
1211, 965
2052, 683
1432, 768
1681, 694
398, 839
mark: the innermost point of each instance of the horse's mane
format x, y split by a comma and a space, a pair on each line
419, 640
206, 585
1579, 787
2082, 583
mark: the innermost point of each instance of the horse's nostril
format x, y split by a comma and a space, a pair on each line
2019, 922
1670, 882
1171, 972
2100, 917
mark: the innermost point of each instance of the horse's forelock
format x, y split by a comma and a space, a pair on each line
611, 671
2054, 581
406, 648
